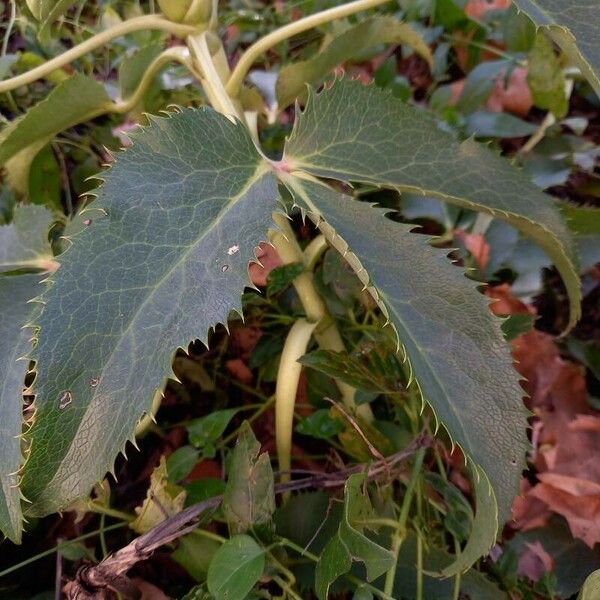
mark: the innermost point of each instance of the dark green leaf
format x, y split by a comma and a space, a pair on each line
514, 325
350, 543
454, 344
184, 209
366, 370
498, 125
358, 133
479, 84
205, 431
45, 180
235, 568
15, 312
181, 463
282, 277
320, 425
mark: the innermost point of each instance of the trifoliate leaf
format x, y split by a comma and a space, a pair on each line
358, 133
163, 257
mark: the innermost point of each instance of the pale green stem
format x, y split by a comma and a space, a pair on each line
400, 535
96, 41
254, 52
314, 251
212, 81
288, 378
178, 54
548, 121
326, 334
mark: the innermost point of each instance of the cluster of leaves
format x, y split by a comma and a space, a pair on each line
161, 258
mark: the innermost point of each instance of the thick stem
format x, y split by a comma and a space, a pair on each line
288, 378
176, 54
212, 80
326, 333
96, 41
254, 52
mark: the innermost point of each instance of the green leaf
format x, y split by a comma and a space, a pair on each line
235, 568
358, 133
499, 125
184, 209
249, 498
368, 369
24, 242
573, 25
320, 425
350, 543
454, 344
194, 553
44, 183
546, 79
291, 84
15, 313
591, 587
205, 431
77, 99
479, 84
181, 463
133, 67
473, 584
282, 277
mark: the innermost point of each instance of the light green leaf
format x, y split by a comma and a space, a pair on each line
205, 431
236, 566
77, 99
249, 499
181, 463
184, 209
15, 313
293, 78
358, 133
573, 25
546, 79
350, 543
591, 587
454, 344
24, 242
163, 500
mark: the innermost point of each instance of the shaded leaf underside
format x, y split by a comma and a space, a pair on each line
184, 209
454, 344
357, 133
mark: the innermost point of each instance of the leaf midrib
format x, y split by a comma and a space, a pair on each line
260, 170
296, 184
